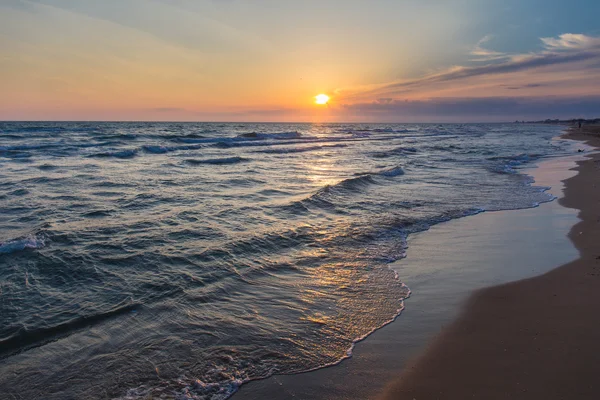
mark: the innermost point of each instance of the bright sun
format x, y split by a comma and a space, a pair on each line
321, 99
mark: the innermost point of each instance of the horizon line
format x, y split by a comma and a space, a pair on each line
296, 122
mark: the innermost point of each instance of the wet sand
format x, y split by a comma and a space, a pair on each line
537, 338
444, 266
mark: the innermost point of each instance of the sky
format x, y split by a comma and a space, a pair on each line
265, 60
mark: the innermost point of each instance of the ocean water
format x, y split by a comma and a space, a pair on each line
179, 260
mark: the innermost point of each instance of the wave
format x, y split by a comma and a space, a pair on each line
200, 139
223, 385
12, 246
47, 167
55, 145
385, 130
301, 149
391, 172
508, 164
22, 147
18, 150
387, 172
327, 197
443, 147
97, 214
277, 135
189, 138
19, 192
22, 337
117, 154
351, 184
243, 138
20, 157
156, 149
197, 390
391, 130
120, 136
349, 353
161, 149
9, 136
523, 157
39, 129
217, 161
255, 139
394, 152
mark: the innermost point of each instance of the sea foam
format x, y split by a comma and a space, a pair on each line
31, 242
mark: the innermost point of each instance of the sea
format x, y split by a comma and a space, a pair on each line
180, 260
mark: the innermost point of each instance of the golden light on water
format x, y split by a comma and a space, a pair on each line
321, 99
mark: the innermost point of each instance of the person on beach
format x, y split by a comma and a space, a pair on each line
579, 124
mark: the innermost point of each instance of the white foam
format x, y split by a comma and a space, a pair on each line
30, 242
391, 172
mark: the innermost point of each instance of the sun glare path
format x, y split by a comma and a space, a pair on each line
321, 99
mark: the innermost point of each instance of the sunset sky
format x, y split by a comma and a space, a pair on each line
265, 60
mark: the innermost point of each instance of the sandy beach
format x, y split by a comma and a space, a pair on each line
530, 339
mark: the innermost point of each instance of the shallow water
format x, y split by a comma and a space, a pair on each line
444, 266
184, 259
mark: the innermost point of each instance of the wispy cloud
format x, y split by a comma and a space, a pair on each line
571, 42
473, 109
482, 54
526, 86
568, 57
181, 27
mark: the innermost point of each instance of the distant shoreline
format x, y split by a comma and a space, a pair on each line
573, 121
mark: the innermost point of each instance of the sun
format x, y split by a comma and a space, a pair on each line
321, 99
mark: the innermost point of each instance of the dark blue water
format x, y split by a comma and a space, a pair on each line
179, 260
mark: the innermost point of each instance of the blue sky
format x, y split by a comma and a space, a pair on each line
266, 59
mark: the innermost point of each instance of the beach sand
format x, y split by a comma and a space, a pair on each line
444, 266
537, 338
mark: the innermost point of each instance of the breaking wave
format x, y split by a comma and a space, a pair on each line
31, 242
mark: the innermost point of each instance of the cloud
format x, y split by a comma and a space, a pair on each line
566, 56
526, 86
570, 42
474, 109
482, 54
514, 65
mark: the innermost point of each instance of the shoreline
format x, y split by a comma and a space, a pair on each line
381, 358
534, 338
